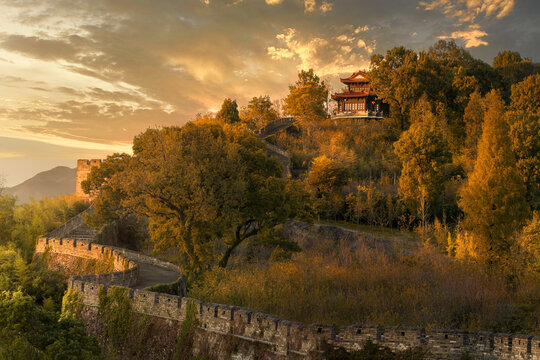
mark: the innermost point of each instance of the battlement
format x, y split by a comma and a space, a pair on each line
287, 337
83, 169
126, 271
282, 336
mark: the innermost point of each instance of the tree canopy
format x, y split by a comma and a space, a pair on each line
260, 111
423, 152
307, 97
205, 189
228, 112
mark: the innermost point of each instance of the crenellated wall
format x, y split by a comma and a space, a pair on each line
284, 338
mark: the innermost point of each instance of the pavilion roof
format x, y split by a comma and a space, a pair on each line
357, 77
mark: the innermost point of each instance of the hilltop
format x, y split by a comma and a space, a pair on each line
51, 183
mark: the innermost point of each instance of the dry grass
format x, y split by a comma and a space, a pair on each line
367, 286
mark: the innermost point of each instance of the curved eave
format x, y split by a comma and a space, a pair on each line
360, 94
354, 81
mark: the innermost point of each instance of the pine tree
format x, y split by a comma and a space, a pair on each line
228, 112
493, 200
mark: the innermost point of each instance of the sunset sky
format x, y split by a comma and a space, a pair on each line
80, 78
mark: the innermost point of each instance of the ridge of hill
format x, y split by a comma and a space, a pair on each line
55, 182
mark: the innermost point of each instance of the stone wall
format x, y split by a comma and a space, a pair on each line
83, 169
285, 339
126, 271
291, 338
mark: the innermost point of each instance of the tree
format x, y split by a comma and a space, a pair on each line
228, 112
473, 118
526, 95
307, 97
393, 77
326, 180
423, 153
7, 217
30, 326
260, 111
524, 123
493, 199
512, 68
205, 188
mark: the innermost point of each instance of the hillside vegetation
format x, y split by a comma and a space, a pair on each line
456, 163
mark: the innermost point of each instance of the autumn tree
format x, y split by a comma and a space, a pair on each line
472, 118
205, 188
423, 153
493, 199
228, 112
307, 98
326, 180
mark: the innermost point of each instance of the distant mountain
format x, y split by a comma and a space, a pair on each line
56, 182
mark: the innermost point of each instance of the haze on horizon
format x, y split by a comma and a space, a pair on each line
80, 79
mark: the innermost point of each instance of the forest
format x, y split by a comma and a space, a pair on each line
455, 170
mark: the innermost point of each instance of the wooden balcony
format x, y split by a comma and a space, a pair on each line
360, 114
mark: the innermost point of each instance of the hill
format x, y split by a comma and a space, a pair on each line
51, 183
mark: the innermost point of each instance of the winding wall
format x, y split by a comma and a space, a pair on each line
285, 338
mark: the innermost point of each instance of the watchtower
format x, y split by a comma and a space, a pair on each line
83, 169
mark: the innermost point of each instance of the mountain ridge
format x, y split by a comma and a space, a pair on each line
55, 182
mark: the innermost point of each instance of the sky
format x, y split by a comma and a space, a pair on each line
80, 79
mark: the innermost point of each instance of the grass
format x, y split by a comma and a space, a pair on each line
402, 239
354, 286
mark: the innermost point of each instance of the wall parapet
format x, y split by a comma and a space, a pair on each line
126, 271
282, 336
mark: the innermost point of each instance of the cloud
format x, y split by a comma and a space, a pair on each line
101, 72
10, 155
45, 49
369, 48
325, 56
326, 6
360, 29
309, 5
471, 37
469, 10
468, 13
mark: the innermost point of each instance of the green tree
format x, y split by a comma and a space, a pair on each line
39, 217
493, 199
524, 123
393, 77
326, 180
423, 153
307, 98
512, 68
7, 217
200, 186
228, 112
260, 111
